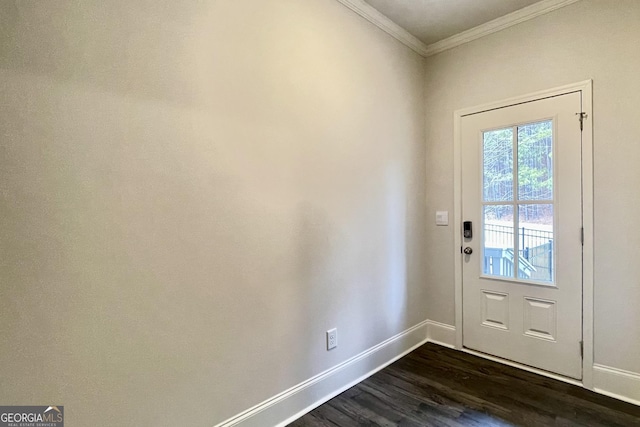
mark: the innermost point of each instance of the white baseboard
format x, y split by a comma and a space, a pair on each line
613, 382
441, 333
617, 383
291, 404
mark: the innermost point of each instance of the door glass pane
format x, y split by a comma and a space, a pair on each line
497, 155
498, 246
536, 244
535, 161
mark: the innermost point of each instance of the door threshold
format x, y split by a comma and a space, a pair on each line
524, 367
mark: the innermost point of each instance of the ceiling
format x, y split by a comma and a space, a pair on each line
433, 20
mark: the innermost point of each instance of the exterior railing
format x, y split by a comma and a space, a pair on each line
535, 246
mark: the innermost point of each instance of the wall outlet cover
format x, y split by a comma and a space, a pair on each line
332, 338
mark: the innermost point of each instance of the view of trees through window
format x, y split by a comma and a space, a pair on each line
523, 154
535, 168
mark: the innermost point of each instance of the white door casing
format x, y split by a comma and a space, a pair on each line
506, 313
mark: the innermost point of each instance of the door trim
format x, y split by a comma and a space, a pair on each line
585, 87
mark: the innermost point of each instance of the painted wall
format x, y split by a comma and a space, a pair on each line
193, 193
597, 39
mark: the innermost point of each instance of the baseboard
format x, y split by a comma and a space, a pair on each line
441, 333
617, 383
291, 404
613, 382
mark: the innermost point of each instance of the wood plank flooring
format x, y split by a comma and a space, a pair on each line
437, 386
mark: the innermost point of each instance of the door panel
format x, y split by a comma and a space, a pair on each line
521, 189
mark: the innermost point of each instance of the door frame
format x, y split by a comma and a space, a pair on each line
587, 217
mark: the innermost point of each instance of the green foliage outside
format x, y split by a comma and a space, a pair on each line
534, 153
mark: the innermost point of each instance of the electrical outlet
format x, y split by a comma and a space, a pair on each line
332, 338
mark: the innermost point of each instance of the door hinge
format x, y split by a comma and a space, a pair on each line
582, 235
582, 349
581, 118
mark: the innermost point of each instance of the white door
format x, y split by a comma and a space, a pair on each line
521, 193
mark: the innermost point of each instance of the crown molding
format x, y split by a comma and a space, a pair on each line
378, 19
498, 24
372, 15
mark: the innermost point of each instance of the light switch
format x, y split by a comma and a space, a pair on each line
442, 218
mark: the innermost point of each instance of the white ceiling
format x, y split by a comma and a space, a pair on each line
434, 20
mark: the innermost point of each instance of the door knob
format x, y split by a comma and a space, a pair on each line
468, 250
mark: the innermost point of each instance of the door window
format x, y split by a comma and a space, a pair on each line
517, 205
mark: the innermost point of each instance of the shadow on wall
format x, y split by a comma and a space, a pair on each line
355, 272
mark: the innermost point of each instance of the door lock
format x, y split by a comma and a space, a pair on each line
466, 230
468, 250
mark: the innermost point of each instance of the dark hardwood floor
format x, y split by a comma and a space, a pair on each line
436, 386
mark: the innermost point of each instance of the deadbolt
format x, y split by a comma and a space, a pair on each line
468, 250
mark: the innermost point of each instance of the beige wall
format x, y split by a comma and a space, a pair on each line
193, 193
596, 39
